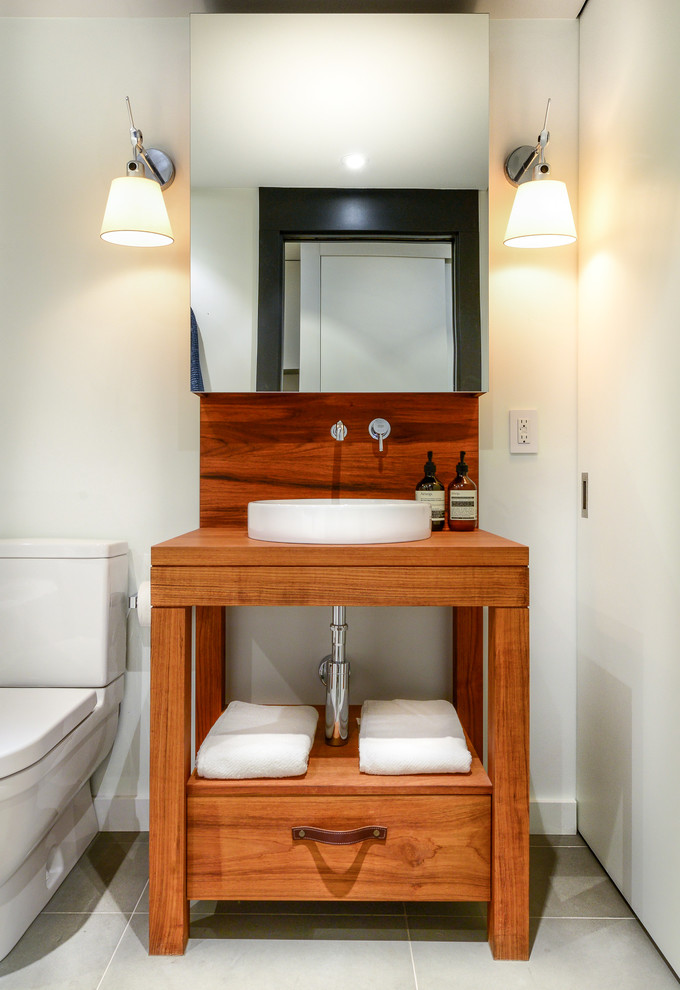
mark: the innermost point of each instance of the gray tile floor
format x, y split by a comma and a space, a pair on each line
93, 936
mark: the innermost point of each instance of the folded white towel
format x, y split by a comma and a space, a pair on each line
258, 741
402, 737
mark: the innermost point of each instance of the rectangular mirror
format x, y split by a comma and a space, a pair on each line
277, 101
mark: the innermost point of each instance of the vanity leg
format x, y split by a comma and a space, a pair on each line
169, 771
468, 672
508, 741
210, 667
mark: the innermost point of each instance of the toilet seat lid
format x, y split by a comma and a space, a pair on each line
34, 719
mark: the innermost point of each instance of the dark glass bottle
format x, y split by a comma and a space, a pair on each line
431, 490
462, 498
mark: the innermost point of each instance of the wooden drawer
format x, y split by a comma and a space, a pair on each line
437, 847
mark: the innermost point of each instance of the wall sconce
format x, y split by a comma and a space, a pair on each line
541, 215
135, 213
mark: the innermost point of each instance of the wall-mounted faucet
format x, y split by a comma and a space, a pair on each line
379, 430
338, 430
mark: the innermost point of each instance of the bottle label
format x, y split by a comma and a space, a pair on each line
437, 503
463, 505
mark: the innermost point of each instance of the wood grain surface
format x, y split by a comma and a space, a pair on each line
468, 672
169, 769
231, 546
437, 848
508, 764
278, 445
210, 673
359, 586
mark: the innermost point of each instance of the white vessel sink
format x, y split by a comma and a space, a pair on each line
338, 520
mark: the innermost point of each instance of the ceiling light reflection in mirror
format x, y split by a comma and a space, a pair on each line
280, 99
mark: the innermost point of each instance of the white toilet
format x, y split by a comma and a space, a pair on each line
63, 606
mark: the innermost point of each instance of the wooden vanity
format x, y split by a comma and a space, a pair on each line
449, 837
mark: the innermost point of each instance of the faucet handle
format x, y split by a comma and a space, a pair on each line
339, 430
379, 430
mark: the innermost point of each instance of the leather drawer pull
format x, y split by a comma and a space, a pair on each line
347, 838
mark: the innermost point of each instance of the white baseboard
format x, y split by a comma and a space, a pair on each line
552, 817
131, 814
122, 813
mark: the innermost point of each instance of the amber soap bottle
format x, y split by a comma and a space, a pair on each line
462, 499
431, 490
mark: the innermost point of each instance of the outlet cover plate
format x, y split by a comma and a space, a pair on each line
523, 431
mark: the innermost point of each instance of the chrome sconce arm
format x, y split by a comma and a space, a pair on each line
157, 162
518, 162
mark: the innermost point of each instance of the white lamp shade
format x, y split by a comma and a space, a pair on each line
541, 216
135, 213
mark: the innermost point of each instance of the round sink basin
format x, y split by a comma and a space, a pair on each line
338, 520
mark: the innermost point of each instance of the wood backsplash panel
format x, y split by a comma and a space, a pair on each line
278, 445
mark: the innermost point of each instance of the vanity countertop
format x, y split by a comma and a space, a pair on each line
220, 546
223, 566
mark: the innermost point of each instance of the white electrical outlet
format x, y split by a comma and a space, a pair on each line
523, 431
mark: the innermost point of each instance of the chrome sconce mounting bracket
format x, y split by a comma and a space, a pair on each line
151, 162
519, 163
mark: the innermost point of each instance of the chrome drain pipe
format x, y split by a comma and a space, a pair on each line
334, 673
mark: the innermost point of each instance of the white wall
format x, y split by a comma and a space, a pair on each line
103, 434
99, 431
629, 547
224, 244
532, 343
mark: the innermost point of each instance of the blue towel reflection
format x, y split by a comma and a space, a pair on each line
196, 375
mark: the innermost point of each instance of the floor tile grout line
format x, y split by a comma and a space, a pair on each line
583, 917
296, 914
88, 914
447, 917
410, 947
123, 933
546, 845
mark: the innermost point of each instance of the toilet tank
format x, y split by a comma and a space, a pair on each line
63, 607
